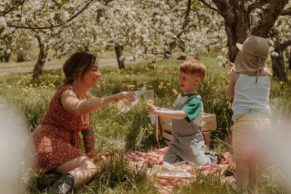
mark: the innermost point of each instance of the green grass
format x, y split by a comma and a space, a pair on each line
117, 132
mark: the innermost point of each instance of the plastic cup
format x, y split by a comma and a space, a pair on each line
149, 96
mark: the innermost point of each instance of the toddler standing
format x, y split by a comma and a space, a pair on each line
250, 88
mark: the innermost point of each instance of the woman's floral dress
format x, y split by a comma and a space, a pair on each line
57, 139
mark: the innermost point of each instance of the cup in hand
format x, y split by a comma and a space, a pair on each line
125, 105
149, 96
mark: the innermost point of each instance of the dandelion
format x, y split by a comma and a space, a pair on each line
175, 91
129, 86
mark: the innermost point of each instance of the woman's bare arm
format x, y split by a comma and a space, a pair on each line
74, 105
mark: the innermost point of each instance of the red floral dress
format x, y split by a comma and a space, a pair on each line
57, 139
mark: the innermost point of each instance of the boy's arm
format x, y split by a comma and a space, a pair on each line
175, 114
229, 92
171, 114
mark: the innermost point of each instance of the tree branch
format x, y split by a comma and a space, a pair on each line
173, 43
285, 44
226, 10
210, 7
12, 7
256, 4
81, 10
286, 11
51, 26
186, 18
269, 17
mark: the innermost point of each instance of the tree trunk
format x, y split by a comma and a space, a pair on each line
237, 13
5, 48
119, 56
289, 61
278, 66
20, 55
7, 55
42, 55
236, 22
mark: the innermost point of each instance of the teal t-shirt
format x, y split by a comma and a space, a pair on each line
193, 107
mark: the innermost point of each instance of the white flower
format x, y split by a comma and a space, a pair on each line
38, 4
2, 22
52, 15
275, 54
65, 15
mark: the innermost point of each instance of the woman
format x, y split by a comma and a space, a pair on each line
56, 139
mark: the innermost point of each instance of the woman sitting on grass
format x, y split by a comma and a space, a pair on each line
56, 139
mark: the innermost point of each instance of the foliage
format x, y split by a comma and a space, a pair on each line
149, 29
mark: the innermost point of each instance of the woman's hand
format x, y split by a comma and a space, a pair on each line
128, 95
92, 155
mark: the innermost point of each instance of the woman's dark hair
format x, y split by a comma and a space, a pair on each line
77, 65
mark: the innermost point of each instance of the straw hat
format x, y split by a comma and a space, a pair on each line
252, 56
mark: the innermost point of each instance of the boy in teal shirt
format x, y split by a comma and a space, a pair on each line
188, 142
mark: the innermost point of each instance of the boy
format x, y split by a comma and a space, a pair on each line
187, 143
250, 88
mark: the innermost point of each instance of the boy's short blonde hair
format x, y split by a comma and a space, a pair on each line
193, 66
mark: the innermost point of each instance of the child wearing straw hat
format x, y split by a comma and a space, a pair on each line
249, 86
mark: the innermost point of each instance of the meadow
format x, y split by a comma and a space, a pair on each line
117, 132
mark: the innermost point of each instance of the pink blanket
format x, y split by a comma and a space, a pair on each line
167, 176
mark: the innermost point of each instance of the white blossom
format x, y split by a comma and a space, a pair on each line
2, 21
65, 15
274, 54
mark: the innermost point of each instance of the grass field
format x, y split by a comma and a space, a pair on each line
117, 132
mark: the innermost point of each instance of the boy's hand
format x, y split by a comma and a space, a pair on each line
152, 109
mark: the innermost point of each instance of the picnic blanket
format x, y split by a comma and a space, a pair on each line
167, 176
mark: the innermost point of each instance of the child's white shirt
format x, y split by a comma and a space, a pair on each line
251, 95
